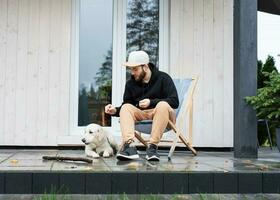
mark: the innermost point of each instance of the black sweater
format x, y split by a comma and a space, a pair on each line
159, 88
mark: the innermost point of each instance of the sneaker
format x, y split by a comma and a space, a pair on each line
152, 154
127, 152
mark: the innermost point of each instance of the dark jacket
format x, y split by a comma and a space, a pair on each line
159, 88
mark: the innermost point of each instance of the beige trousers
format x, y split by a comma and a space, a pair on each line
160, 115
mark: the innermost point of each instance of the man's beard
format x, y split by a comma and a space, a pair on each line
141, 76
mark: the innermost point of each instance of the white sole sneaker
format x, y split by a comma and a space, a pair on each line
152, 158
125, 157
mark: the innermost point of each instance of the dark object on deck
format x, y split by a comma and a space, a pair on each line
61, 158
245, 78
277, 132
269, 6
265, 121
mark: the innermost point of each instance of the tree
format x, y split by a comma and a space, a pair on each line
104, 74
268, 66
103, 78
83, 115
267, 101
143, 27
264, 69
102, 96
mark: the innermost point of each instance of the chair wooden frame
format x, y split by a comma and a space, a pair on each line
187, 108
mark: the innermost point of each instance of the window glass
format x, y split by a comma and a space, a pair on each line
143, 28
95, 61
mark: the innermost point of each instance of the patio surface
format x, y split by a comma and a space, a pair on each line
31, 160
24, 172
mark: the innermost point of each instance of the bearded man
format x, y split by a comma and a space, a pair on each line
149, 94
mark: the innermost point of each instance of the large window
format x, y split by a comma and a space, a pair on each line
95, 61
142, 29
104, 32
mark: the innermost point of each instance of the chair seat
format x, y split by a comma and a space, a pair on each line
185, 88
145, 126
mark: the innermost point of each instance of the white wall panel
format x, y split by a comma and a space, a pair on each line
34, 66
43, 71
3, 50
35, 39
21, 71
10, 75
201, 43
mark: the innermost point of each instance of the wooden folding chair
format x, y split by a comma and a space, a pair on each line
185, 89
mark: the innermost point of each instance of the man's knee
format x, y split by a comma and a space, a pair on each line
127, 108
162, 105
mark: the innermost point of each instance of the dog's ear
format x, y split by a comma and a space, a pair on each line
100, 134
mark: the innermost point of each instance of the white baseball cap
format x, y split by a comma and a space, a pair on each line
137, 58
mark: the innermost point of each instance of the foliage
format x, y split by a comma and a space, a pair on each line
267, 101
103, 79
142, 33
104, 74
268, 66
143, 27
54, 194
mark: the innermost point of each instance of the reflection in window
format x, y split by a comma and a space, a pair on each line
143, 27
95, 61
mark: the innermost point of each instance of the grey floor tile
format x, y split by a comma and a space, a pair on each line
25, 169
79, 153
128, 165
7, 152
74, 166
269, 161
33, 154
25, 163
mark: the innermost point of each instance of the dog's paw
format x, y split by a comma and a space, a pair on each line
92, 154
106, 154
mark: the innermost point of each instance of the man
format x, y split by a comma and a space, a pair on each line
149, 95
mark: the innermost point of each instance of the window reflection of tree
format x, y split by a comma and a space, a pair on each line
142, 33
92, 102
143, 27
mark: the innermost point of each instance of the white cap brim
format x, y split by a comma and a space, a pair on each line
131, 65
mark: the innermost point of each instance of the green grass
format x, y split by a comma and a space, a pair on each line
54, 194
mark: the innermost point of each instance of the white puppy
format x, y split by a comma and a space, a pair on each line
98, 142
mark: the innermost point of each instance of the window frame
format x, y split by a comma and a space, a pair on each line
118, 58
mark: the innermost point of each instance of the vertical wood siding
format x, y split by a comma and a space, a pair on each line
201, 43
35, 68
34, 71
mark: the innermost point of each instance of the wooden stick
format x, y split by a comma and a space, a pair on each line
138, 136
182, 138
61, 158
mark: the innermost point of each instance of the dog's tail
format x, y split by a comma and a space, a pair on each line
113, 143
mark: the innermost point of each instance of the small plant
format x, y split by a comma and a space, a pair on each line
267, 101
54, 194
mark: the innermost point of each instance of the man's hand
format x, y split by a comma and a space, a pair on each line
109, 109
145, 103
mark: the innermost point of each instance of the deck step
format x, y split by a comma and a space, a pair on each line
138, 182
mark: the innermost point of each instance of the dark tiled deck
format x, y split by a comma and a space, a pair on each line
209, 172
